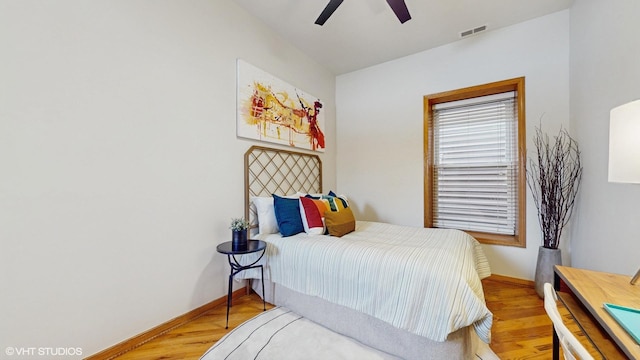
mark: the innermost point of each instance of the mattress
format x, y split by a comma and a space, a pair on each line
424, 281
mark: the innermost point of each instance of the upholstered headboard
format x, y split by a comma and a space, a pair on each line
274, 171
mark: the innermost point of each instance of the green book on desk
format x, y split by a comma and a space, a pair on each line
628, 318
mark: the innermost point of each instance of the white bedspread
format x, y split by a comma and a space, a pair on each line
426, 281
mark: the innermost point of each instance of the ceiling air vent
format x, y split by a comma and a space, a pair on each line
466, 33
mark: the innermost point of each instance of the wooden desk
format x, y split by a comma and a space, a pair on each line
592, 289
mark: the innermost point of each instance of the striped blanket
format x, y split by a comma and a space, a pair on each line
283, 335
425, 281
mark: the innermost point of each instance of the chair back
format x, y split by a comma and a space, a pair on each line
571, 347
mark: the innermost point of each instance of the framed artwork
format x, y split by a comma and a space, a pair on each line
269, 109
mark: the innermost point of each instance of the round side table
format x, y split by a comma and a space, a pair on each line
252, 247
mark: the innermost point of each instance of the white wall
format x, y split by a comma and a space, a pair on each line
380, 119
119, 164
605, 73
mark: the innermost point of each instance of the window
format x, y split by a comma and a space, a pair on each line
474, 161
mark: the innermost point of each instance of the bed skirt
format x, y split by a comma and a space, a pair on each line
461, 344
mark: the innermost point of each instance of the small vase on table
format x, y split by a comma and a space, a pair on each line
239, 239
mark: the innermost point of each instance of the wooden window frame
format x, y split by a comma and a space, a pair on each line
516, 84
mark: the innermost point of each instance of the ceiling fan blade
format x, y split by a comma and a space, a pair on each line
400, 8
328, 10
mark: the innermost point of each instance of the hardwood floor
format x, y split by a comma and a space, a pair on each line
192, 339
521, 328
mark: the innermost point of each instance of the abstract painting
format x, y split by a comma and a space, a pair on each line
269, 109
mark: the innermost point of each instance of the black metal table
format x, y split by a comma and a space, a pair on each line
252, 247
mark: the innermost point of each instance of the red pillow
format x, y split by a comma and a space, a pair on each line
311, 217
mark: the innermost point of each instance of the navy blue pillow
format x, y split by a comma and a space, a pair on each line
288, 215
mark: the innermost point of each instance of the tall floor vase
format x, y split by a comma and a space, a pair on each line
547, 258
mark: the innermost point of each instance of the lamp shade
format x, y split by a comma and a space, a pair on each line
624, 143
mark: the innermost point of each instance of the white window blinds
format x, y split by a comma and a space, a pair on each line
475, 164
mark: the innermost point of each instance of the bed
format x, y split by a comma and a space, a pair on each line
411, 292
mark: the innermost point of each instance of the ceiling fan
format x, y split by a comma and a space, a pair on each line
398, 7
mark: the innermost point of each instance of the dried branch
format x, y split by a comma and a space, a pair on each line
554, 179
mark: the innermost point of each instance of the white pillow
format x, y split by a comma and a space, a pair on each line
267, 223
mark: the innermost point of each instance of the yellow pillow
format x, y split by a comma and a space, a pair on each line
340, 222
